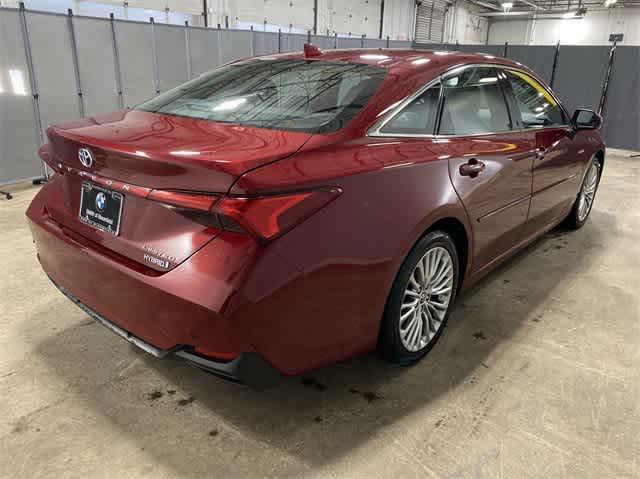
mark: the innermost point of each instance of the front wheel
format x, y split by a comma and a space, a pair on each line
420, 300
584, 202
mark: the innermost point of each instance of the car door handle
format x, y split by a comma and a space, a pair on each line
472, 168
541, 152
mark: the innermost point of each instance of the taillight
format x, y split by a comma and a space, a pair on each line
179, 199
264, 217
44, 152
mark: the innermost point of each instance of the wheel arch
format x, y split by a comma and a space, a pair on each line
456, 229
600, 156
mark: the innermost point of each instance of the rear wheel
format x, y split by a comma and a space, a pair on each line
420, 300
584, 202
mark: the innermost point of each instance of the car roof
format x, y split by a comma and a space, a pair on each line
405, 60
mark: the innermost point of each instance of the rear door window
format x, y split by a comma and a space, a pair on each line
419, 117
537, 106
474, 103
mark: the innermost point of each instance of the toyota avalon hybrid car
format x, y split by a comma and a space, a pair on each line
281, 213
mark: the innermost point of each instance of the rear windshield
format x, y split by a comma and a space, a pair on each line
301, 95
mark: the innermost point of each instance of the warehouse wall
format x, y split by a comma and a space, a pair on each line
593, 29
119, 63
355, 17
465, 26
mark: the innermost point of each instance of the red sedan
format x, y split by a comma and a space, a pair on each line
282, 213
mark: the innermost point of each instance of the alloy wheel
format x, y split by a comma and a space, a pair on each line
588, 192
426, 299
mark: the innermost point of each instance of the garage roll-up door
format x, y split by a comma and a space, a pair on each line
430, 16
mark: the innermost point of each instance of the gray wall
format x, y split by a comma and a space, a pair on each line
579, 78
148, 58
153, 58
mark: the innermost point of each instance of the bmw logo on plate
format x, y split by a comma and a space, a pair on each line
101, 201
85, 157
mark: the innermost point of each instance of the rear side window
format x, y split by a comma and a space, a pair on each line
537, 107
474, 103
303, 95
419, 117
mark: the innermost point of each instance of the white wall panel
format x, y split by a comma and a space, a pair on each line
398, 19
18, 145
136, 61
236, 44
93, 37
265, 43
206, 51
593, 29
172, 59
53, 67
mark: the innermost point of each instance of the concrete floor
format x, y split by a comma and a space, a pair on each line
538, 375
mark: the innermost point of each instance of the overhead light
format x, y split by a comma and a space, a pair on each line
507, 6
610, 3
17, 82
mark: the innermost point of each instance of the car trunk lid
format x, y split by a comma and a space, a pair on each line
134, 153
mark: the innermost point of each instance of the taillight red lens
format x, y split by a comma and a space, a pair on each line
270, 216
264, 217
180, 199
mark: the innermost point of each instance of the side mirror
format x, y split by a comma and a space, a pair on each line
586, 119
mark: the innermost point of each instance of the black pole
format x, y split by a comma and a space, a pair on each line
506, 47
387, 41
205, 13
335, 40
555, 64
315, 17
381, 18
308, 36
605, 85
279, 40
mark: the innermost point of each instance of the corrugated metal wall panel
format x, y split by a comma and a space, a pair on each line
430, 21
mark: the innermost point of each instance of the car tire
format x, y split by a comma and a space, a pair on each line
586, 196
402, 342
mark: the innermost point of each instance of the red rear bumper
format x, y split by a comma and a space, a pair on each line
188, 311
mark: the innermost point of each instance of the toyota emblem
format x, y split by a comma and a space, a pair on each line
85, 157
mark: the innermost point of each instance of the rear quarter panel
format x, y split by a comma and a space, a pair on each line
347, 254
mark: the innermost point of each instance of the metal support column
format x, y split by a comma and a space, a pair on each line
76, 64
315, 17
308, 36
388, 43
219, 45
116, 61
279, 40
555, 65
205, 13
506, 48
607, 77
187, 46
431, 17
154, 55
381, 19
251, 40
335, 40
362, 40
33, 83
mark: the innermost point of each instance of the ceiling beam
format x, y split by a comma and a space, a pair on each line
532, 4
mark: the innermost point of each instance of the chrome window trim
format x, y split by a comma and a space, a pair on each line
374, 130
